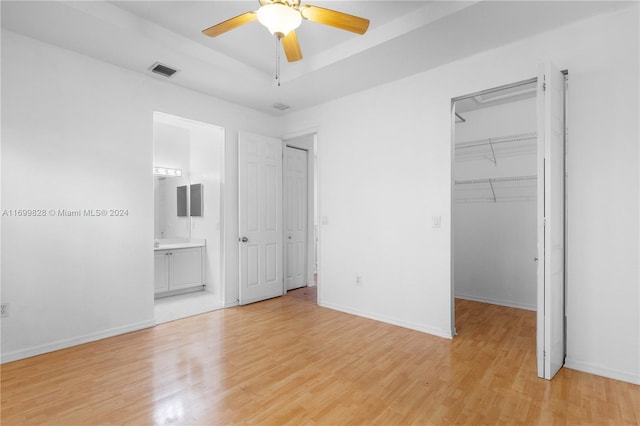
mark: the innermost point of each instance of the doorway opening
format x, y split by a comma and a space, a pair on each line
262, 237
495, 188
188, 160
300, 218
508, 209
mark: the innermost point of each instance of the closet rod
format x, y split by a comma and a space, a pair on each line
491, 181
493, 141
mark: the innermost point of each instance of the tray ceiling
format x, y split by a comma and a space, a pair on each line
404, 38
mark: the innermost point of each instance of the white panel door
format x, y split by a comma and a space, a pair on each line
295, 217
551, 173
260, 208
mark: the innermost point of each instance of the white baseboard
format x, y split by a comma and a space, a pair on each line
66, 343
231, 304
406, 324
601, 370
500, 302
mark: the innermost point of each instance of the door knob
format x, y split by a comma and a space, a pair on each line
289, 236
535, 259
244, 239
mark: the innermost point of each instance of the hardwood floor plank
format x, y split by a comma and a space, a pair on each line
288, 361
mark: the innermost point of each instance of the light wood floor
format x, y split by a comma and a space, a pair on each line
310, 294
287, 361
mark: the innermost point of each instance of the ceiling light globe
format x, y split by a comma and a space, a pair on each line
279, 19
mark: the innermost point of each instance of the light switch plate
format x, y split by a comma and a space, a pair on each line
436, 221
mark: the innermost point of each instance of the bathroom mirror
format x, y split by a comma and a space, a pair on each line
168, 221
171, 161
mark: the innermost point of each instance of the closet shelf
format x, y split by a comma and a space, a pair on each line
492, 148
513, 188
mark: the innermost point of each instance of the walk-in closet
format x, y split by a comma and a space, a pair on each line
495, 181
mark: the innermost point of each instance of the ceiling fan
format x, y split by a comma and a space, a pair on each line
282, 17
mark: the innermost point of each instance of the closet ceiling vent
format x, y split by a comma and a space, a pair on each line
281, 106
162, 69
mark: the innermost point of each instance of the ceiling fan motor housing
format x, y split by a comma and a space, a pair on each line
279, 18
290, 3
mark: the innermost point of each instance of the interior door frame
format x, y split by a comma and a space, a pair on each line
188, 123
313, 176
539, 332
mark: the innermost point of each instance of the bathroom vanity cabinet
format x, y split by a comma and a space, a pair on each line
178, 269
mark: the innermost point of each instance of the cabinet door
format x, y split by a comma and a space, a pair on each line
186, 268
161, 271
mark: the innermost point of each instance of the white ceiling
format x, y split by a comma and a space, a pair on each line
404, 38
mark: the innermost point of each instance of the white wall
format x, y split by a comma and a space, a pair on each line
385, 170
380, 184
78, 134
207, 154
495, 242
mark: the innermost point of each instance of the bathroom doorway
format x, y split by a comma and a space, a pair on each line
188, 161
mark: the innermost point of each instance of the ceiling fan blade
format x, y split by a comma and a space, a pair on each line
335, 19
230, 24
292, 47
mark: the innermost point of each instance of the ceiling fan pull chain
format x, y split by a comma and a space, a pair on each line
278, 60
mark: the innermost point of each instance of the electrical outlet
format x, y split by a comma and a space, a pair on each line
358, 280
4, 310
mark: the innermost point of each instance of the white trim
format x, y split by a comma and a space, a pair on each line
67, 343
601, 370
435, 331
222, 275
298, 133
231, 304
500, 302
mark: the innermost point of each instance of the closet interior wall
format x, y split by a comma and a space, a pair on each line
495, 240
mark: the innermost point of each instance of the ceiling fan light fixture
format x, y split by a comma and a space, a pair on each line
279, 18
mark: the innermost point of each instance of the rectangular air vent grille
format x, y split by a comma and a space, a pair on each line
162, 69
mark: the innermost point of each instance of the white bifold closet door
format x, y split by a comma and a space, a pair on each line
551, 221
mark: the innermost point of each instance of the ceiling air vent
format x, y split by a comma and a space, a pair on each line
281, 106
162, 69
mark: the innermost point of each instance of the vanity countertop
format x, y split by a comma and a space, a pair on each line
179, 245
